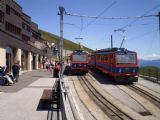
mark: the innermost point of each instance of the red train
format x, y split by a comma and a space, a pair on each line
79, 62
120, 63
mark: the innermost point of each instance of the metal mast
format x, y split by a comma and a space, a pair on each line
158, 78
61, 12
111, 41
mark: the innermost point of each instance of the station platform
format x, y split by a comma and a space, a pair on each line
21, 101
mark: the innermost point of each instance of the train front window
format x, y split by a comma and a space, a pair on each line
126, 58
80, 58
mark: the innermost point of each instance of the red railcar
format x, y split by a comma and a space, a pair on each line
120, 63
79, 62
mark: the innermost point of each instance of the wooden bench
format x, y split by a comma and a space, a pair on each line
48, 96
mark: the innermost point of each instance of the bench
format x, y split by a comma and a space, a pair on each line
48, 96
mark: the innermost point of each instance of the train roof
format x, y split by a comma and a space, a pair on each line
114, 50
79, 52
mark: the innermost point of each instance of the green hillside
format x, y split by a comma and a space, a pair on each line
68, 45
150, 71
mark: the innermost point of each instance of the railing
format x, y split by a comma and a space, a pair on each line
150, 74
66, 109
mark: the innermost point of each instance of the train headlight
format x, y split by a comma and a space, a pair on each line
120, 70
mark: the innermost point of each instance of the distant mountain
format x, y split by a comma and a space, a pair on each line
149, 62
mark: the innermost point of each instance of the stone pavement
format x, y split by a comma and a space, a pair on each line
21, 101
25, 79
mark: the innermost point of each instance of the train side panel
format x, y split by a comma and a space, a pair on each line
92, 61
120, 64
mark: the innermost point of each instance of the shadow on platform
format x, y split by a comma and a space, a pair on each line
52, 111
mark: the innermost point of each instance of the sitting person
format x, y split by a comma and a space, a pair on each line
5, 75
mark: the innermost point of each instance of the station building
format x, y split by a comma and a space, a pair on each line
19, 38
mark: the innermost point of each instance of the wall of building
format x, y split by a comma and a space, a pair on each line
2, 56
19, 34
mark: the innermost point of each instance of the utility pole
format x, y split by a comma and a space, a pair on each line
158, 78
58, 89
61, 9
159, 23
111, 42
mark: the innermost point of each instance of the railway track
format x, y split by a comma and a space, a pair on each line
87, 109
153, 99
107, 107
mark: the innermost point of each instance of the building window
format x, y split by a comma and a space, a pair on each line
25, 38
34, 34
26, 27
1, 17
10, 10
12, 28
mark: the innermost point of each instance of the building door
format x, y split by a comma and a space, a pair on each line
9, 58
34, 61
24, 58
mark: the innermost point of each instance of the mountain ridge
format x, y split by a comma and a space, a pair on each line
68, 44
143, 62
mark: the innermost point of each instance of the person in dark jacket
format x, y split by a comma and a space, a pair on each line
16, 70
56, 70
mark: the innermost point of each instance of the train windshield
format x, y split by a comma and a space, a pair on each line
126, 58
79, 58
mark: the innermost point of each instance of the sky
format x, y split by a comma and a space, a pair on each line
141, 34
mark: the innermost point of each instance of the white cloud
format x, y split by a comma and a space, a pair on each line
151, 57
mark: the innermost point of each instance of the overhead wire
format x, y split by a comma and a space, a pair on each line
107, 8
130, 24
109, 18
147, 33
151, 41
82, 24
73, 25
142, 17
81, 28
77, 25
